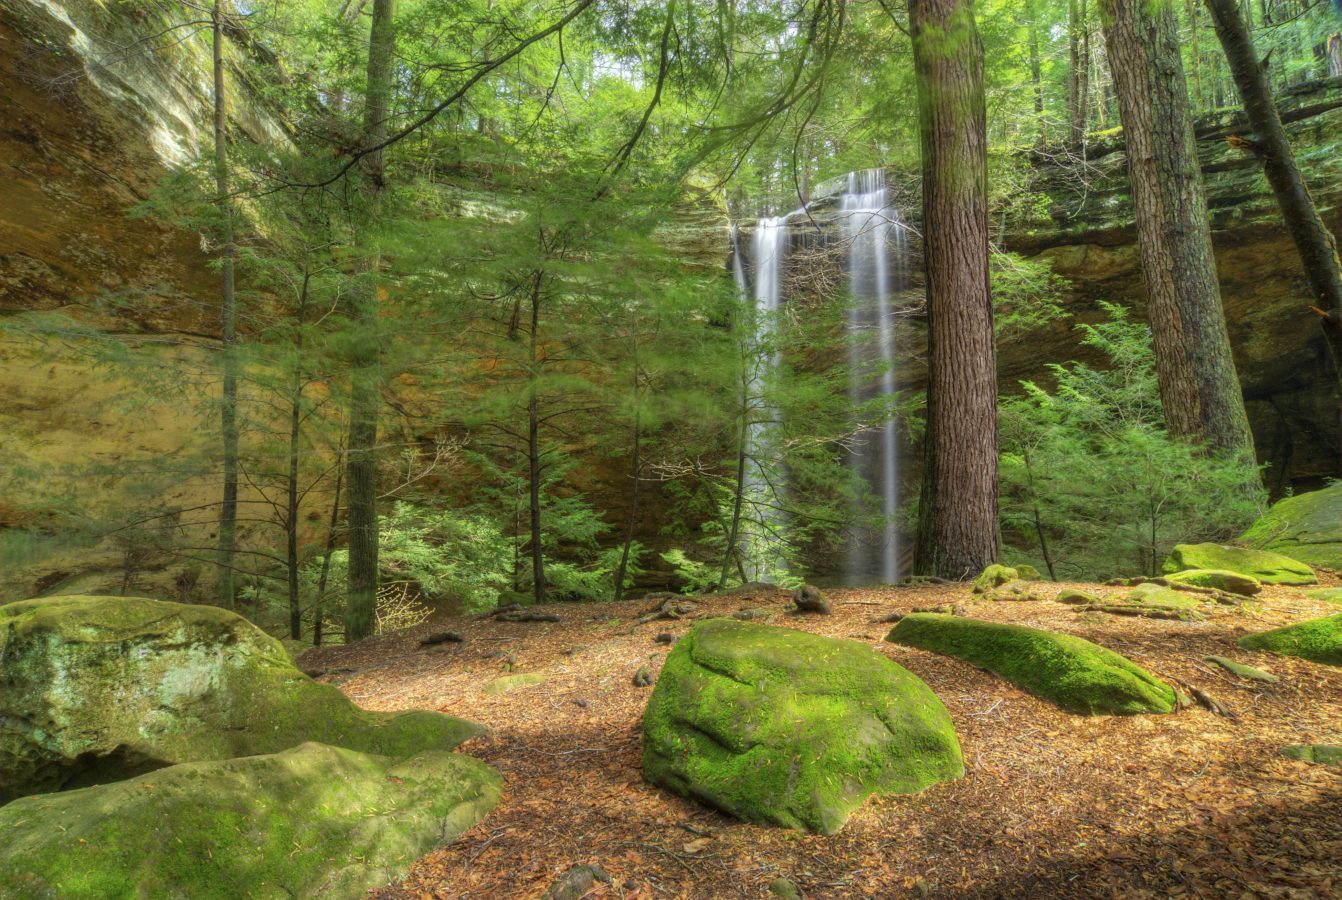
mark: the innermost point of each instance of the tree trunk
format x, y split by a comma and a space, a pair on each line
361, 456
292, 498
331, 530
534, 447
734, 527
1198, 386
1036, 73
1313, 241
228, 407
635, 470
959, 512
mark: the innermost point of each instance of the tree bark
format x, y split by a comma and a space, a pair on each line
365, 402
635, 471
228, 407
959, 510
534, 447
1036, 73
1198, 386
1313, 241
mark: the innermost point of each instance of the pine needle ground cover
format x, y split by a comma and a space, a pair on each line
1052, 804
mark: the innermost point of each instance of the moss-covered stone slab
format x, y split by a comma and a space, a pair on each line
1307, 527
1157, 596
312, 821
994, 575
778, 726
1318, 640
96, 689
1242, 670
1014, 591
1220, 579
1262, 565
1327, 595
1322, 754
1079, 676
1077, 597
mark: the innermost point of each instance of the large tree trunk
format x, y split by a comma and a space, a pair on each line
959, 510
361, 457
1198, 386
228, 407
1313, 241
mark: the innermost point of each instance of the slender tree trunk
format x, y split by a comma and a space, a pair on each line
734, 527
1313, 241
1194, 14
332, 529
1076, 103
361, 457
959, 511
534, 446
228, 407
1036, 73
1198, 385
635, 471
291, 504
1038, 519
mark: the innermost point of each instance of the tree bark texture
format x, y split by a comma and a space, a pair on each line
228, 407
1198, 385
960, 488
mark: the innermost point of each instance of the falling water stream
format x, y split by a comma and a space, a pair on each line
874, 243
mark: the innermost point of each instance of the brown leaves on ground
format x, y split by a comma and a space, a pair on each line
1191, 804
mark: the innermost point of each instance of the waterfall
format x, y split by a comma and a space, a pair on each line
877, 244
762, 520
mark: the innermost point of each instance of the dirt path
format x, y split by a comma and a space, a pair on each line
1052, 804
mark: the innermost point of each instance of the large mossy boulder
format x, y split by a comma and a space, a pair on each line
1079, 676
312, 821
778, 726
1318, 640
1263, 565
1219, 579
1307, 527
96, 689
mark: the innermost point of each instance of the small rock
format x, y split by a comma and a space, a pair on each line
809, 599
1079, 598
786, 890
644, 677
506, 683
993, 576
576, 882
886, 620
665, 637
579, 702
442, 637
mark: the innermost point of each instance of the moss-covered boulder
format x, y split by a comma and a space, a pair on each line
1263, 565
312, 821
1220, 579
95, 689
994, 575
1027, 572
1327, 595
1318, 640
779, 726
1307, 527
1072, 672
1322, 754
1157, 596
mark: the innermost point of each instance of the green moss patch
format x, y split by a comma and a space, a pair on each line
1242, 670
1157, 596
1220, 579
1322, 754
1307, 527
993, 576
505, 683
1327, 595
779, 726
313, 821
102, 688
1077, 675
1318, 640
1262, 565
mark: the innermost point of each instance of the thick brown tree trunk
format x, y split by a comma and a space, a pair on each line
228, 407
1313, 241
958, 514
1198, 385
365, 401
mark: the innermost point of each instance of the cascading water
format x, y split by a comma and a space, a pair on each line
877, 245
761, 530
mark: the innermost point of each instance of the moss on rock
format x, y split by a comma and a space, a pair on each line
1220, 579
779, 726
312, 821
1322, 754
102, 688
1157, 596
1242, 670
1327, 595
1265, 566
992, 576
1318, 640
1072, 672
1307, 527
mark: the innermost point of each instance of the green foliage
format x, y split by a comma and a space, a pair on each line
1091, 478
696, 577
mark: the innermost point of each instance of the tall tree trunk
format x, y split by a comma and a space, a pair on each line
1313, 241
534, 446
361, 456
959, 509
635, 471
1036, 72
292, 498
1198, 385
332, 528
734, 526
228, 407
1076, 102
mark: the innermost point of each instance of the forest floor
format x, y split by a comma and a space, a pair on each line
1052, 804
